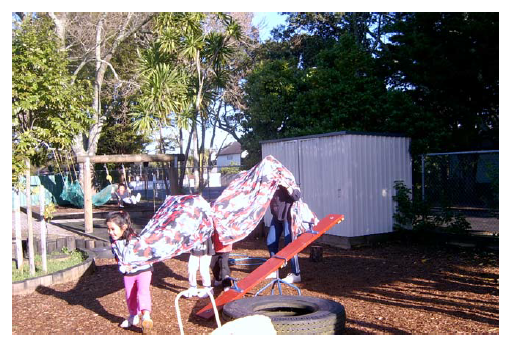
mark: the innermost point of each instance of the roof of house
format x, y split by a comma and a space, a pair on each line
233, 148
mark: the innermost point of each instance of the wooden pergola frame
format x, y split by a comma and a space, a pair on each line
87, 160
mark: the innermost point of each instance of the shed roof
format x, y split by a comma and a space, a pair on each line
337, 133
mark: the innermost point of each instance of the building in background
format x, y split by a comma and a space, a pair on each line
230, 155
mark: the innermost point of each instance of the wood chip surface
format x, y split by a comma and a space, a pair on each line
393, 288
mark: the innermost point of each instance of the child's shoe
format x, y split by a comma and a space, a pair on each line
292, 278
217, 283
273, 275
203, 293
191, 292
130, 321
226, 284
147, 323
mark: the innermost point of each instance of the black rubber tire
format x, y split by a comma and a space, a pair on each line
292, 315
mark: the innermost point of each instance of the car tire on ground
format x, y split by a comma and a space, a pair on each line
292, 315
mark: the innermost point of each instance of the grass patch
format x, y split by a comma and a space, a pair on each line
70, 258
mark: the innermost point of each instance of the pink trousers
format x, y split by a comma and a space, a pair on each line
138, 297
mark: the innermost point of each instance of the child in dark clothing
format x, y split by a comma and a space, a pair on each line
280, 206
220, 263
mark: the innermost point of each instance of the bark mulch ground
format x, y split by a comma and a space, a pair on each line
391, 288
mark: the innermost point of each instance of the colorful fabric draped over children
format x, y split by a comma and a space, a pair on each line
241, 206
185, 221
182, 222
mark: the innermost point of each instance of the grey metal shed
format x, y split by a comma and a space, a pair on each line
350, 173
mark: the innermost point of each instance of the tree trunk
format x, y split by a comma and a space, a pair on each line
42, 226
60, 26
87, 197
17, 228
184, 171
196, 160
195, 142
175, 190
30, 239
182, 176
202, 162
89, 145
162, 164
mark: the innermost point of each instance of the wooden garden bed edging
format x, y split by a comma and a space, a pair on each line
73, 273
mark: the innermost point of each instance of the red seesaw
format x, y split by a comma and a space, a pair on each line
272, 264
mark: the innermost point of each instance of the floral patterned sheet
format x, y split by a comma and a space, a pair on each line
185, 221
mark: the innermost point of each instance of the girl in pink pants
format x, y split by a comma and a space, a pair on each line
136, 279
138, 296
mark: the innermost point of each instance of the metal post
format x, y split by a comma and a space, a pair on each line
423, 177
145, 183
154, 192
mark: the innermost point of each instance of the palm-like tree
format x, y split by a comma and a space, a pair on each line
196, 60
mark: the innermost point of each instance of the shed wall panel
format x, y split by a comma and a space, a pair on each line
372, 177
311, 173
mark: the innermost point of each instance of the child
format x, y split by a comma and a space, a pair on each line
199, 259
220, 263
136, 279
280, 206
124, 196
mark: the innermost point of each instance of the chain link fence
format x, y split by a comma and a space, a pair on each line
150, 181
466, 183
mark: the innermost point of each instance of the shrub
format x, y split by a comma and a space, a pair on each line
418, 214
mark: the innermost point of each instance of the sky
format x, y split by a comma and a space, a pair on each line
267, 20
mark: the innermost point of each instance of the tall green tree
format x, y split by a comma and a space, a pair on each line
48, 110
447, 64
310, 32
49, 107
162, 100
118, 137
